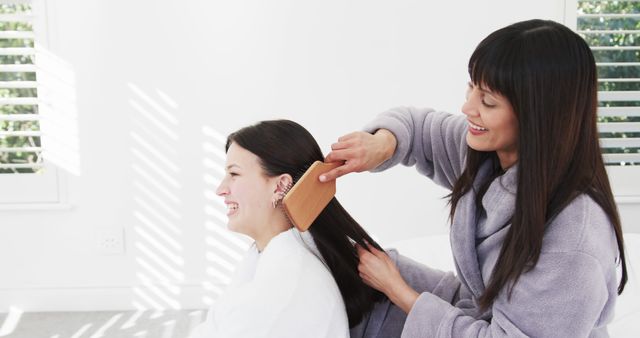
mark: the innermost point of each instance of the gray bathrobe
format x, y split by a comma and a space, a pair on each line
571, 292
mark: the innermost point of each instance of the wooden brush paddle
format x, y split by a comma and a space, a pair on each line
308, 197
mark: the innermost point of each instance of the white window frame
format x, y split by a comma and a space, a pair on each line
47, 189
625, 180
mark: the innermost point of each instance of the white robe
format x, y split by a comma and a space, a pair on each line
285, 291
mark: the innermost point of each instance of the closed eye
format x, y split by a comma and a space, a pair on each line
484, 103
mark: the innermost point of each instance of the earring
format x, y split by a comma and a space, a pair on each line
276, 199
280, 195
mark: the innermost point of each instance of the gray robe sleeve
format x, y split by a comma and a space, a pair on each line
563, 296
387, 320
570, 292
435, 142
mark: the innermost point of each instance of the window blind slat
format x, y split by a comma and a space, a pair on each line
20, 117
13, 2
619, 111
18, 68
23, 101
20, 165
622, 142
21, 149
16, 35
16, 18
619, 127
617, 64
617, 158
5, 133
22, 51
610, 15
613, 79
619, 95
601, 48
606, 0
608, 31
18, 84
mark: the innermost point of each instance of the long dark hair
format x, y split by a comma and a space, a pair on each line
548, 74
285, 147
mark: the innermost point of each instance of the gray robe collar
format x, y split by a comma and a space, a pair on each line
463, 233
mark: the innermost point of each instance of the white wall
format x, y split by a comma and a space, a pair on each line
159, 84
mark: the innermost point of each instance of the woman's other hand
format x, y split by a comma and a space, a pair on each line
360, 151
379, 272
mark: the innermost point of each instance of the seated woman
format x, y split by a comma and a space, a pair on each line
290, 284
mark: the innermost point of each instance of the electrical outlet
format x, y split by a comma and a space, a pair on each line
110, 241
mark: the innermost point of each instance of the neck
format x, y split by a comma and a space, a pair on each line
274, 226
507, 159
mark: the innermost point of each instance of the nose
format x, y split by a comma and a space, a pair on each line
223, 188
470, 106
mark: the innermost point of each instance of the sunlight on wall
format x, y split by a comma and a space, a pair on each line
223, 249
156, 245
58, 110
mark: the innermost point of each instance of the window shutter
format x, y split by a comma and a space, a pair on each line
612, 29
20, 135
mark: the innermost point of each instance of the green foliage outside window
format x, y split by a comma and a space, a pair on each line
615, 74
9, 141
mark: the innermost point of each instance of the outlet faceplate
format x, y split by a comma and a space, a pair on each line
110, 241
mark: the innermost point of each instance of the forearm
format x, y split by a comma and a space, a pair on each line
389, 140
403, 296
433, 142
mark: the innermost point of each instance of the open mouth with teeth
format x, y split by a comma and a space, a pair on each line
476, 129
231, 208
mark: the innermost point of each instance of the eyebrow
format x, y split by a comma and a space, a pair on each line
233, 165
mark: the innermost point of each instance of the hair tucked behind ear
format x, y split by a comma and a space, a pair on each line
285, 147
548, 74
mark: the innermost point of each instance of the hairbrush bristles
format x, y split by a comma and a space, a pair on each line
287, 189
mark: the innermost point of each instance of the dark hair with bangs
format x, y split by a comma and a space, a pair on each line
285, 147
548, 74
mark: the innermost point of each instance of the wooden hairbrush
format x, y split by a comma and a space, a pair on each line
308, 197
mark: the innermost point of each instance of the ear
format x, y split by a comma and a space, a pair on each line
283, 184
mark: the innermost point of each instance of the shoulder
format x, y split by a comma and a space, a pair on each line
291, 263
582, 227
415, 117
284, 254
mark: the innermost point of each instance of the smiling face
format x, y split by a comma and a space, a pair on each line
493, 125
247, 192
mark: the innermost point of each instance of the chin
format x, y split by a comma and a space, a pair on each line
231, 226
476, 147
471, 142
237, 228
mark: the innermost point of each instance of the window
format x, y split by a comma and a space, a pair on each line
25, 174
20, 143
612, 29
